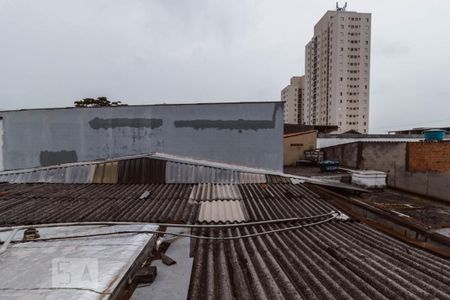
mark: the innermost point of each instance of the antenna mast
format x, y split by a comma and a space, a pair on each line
343, 8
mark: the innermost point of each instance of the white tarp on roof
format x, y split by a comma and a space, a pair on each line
83, 268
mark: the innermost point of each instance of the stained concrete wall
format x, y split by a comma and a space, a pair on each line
346, 154
249, 133
394, 158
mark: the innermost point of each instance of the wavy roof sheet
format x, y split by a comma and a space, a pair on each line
53, 203
336, 260
212, 192
222, 212
190, 173
279, 201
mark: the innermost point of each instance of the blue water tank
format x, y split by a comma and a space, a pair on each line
434, 135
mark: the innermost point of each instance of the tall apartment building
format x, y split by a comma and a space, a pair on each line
337, 71
293, 97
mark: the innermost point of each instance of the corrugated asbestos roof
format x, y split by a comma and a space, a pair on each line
279, 201
73, 174
105, 173
142, 170
222, 212
335, 260
252, 178
138, 170
52, 203
190, 173
211, 192
46, 203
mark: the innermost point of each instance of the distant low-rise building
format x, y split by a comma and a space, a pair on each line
295, 145
293, 96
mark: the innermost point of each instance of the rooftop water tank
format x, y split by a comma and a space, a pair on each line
434, 135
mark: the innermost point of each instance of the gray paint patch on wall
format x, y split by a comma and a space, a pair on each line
228, 124
239, 124
48, 158
98, 123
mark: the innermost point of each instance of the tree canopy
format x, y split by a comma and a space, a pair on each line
99, 102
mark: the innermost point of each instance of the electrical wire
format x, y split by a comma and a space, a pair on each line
265, 222
201, 237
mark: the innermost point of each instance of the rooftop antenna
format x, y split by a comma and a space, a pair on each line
343, 8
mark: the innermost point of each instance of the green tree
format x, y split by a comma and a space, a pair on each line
99, 102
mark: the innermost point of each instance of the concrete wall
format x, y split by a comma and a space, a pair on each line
296, 144
346, 154
396, 158
249, 133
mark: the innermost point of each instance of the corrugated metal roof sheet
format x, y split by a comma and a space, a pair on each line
277, 179
50, 203
278, 201
222, 212
211, 192
80, 174
189, 173
252, 178
73, 174
142, 170
105, 173
335, 260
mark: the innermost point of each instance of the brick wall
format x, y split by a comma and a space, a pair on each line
428, 157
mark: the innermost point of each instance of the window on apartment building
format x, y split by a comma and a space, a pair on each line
341, 78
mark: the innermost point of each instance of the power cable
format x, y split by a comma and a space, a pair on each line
185, 235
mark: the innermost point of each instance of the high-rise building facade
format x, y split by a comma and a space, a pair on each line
337, 72
293, 97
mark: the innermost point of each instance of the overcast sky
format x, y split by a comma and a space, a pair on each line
177, 51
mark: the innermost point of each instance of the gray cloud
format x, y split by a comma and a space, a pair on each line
55, 52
